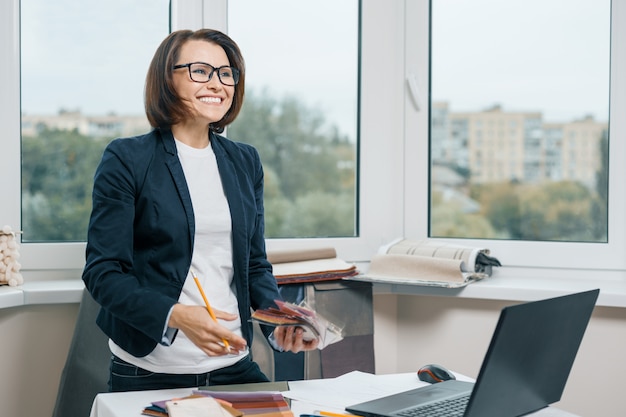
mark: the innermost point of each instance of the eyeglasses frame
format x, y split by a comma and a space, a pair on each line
219, 77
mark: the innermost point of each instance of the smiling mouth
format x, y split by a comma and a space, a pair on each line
210, 99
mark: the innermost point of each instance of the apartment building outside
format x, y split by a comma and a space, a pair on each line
97, 126
489, 146
495, 146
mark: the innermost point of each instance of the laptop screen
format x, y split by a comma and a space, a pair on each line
530, 355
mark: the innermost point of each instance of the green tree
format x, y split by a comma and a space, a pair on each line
309, 185
57, 179
600, 205
448, 220
552, 211
501, 205
557, 211
320, 214
310, 168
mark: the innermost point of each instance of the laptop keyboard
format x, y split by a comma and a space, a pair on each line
454, 407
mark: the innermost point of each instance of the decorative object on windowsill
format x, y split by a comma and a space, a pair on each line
9, 258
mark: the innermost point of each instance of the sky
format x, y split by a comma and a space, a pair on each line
88, 55
527, 55
312, 54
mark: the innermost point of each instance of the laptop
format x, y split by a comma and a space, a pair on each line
525, 368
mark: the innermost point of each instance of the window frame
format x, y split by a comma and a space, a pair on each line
43, 261
374, 229
393, 148
528, 254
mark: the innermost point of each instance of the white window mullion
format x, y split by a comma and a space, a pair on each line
417, 119
10, 115
215, 14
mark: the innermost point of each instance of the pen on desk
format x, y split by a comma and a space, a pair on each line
331, 414
208, 306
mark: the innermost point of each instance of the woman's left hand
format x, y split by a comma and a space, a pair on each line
290, 339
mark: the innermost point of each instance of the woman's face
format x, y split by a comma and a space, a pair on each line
208, 102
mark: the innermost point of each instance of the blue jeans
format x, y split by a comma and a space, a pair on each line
127, 377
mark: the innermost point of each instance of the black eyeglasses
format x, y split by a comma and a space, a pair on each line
201, 72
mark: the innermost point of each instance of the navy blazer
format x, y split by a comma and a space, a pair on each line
141, 235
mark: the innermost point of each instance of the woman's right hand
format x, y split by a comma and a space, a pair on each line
199, 327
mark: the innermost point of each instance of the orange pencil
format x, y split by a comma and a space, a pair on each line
331, 414
208, 306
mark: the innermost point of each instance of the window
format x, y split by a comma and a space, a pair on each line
523, 68
308, 142
57, 249
540, 192
395, 124
300, 111
76, 96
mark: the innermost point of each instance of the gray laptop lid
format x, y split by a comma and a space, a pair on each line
526, 365
531, 355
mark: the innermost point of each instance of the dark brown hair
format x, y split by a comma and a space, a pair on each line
164, 107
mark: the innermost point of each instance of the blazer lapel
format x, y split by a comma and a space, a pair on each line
229, 174
230, 181
176, 171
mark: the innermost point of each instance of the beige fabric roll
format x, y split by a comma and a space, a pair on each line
297, 255
416, 267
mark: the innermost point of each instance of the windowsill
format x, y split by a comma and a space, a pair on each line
514, 284
42, 292
528, 284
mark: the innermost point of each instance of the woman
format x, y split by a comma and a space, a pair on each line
178, 201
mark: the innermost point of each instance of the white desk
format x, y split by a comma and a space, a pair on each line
306, 396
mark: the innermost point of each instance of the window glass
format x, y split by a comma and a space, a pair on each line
300, 110
83, 66
519, 119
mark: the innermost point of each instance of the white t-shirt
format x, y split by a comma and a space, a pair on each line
211, 261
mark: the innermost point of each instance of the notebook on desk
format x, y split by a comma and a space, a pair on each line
525, 368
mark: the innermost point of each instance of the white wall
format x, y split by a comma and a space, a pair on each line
35, 341
410, 331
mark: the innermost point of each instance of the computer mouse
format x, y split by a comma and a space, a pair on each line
433, 373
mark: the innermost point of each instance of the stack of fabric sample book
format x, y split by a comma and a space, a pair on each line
309, 265
207, 403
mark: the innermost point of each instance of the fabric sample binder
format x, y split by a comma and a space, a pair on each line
430, 263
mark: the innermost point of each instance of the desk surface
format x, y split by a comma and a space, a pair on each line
307, 396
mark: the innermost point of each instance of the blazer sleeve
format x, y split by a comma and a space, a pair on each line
110, 273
